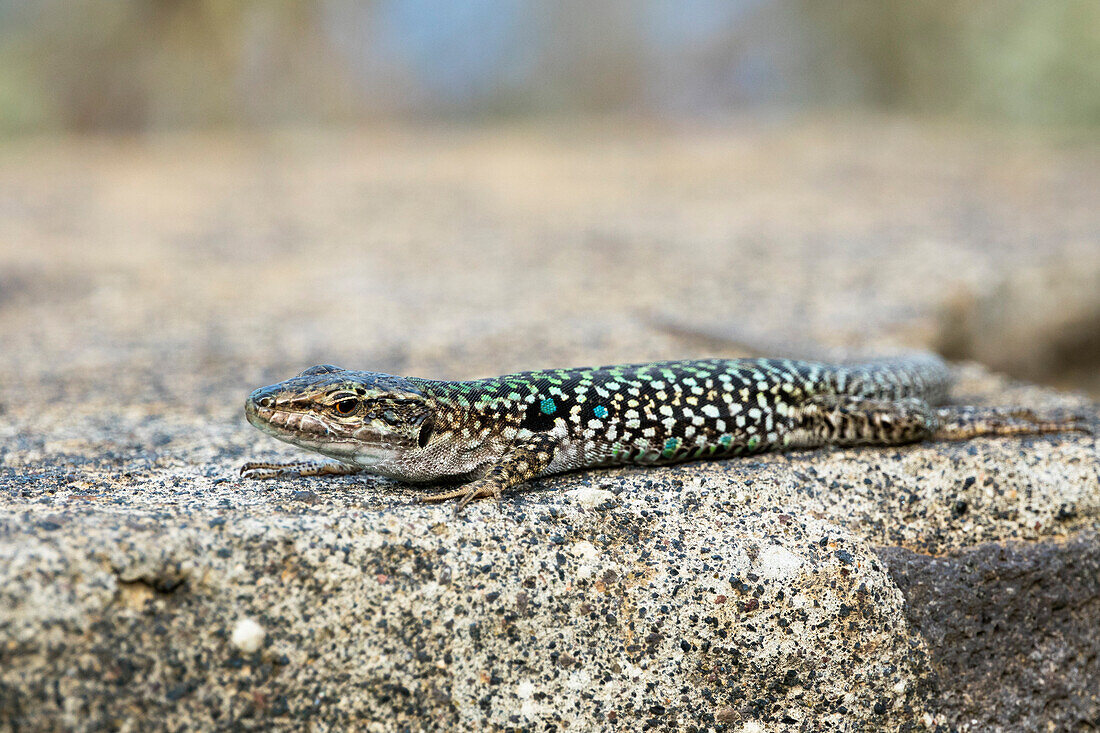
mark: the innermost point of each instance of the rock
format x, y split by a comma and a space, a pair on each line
648, 610
248, 636
1007, 623
147, 287
682, 601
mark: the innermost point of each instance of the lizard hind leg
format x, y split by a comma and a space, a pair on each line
852, 420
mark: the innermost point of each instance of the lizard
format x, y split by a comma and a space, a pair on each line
497, 433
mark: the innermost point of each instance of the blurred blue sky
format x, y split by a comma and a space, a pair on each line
462, 53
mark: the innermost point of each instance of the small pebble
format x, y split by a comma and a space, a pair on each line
248, 636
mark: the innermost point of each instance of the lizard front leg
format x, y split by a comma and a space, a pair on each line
522, 462
296, 469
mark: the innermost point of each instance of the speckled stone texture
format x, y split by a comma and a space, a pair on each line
147, 286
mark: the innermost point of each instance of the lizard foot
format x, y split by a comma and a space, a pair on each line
479, 489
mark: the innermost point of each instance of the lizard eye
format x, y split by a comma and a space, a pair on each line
346, 407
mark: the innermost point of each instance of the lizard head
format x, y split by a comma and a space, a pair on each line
363, 418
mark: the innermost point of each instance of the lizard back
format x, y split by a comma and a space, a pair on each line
665, 412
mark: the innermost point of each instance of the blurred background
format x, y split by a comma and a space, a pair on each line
199, 196
137, 65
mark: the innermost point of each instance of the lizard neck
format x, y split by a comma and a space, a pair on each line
493, 403
475, 422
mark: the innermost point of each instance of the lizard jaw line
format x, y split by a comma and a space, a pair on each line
280, 424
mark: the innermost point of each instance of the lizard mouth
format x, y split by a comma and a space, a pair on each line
281, 423
307, 430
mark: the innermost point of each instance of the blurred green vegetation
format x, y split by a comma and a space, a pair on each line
1006, 59
132, 65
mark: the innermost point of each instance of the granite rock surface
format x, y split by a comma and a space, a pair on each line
146, 286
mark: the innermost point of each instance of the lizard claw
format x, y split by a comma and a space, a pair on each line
481, 489
260, 470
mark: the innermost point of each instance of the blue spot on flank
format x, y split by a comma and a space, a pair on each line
548, 407
599, 411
